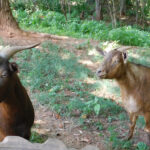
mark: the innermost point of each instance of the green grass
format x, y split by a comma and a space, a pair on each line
37, 138
54, 71
51, 72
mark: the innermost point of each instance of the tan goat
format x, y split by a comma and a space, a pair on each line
134, 82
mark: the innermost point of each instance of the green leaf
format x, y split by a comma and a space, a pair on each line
97, 109
142, 146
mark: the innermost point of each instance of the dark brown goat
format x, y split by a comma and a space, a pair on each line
134, 82
16, 110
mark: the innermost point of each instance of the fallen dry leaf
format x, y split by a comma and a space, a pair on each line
84, 116
57, 116
85, 140
61, 125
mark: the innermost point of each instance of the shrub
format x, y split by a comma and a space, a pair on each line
54, 22
130, 36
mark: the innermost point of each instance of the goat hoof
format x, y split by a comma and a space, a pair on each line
129, 137
147, 140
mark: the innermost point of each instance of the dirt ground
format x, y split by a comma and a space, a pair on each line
50, 124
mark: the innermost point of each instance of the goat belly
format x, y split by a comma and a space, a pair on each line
131, 105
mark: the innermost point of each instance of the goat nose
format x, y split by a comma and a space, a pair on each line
99, 71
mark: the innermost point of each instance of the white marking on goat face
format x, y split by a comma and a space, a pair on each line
131, 105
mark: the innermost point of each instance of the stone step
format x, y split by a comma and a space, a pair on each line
18, 143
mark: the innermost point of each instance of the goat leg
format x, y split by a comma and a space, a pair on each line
147, 125
147, 121
133, 119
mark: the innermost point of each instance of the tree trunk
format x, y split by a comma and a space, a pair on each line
7, 21
137, 9
98, 8
112, 12
63, 4
143, 5
122, 7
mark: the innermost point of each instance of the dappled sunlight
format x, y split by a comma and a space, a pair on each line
107, 89
39, 122
93, 52
86, 62
103, 92
108, 46
65, 56
89, 81
104, 88
41, 131
124, 17
135, 55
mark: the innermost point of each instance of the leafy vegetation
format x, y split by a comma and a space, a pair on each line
142, 146
55, 23
36, 138
138, 11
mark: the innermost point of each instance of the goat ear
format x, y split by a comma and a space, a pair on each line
124, 56
13, 67
102, 52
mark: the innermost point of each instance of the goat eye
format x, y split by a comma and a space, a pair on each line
4, 75
116, 61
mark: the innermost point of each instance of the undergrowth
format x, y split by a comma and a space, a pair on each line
55, 23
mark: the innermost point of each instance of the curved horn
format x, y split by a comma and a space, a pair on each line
125, 48
102, 52
8, 52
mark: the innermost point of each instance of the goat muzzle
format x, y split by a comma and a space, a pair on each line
101, 74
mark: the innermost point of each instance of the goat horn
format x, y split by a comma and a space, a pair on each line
125, 48
101, 51
8, 52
